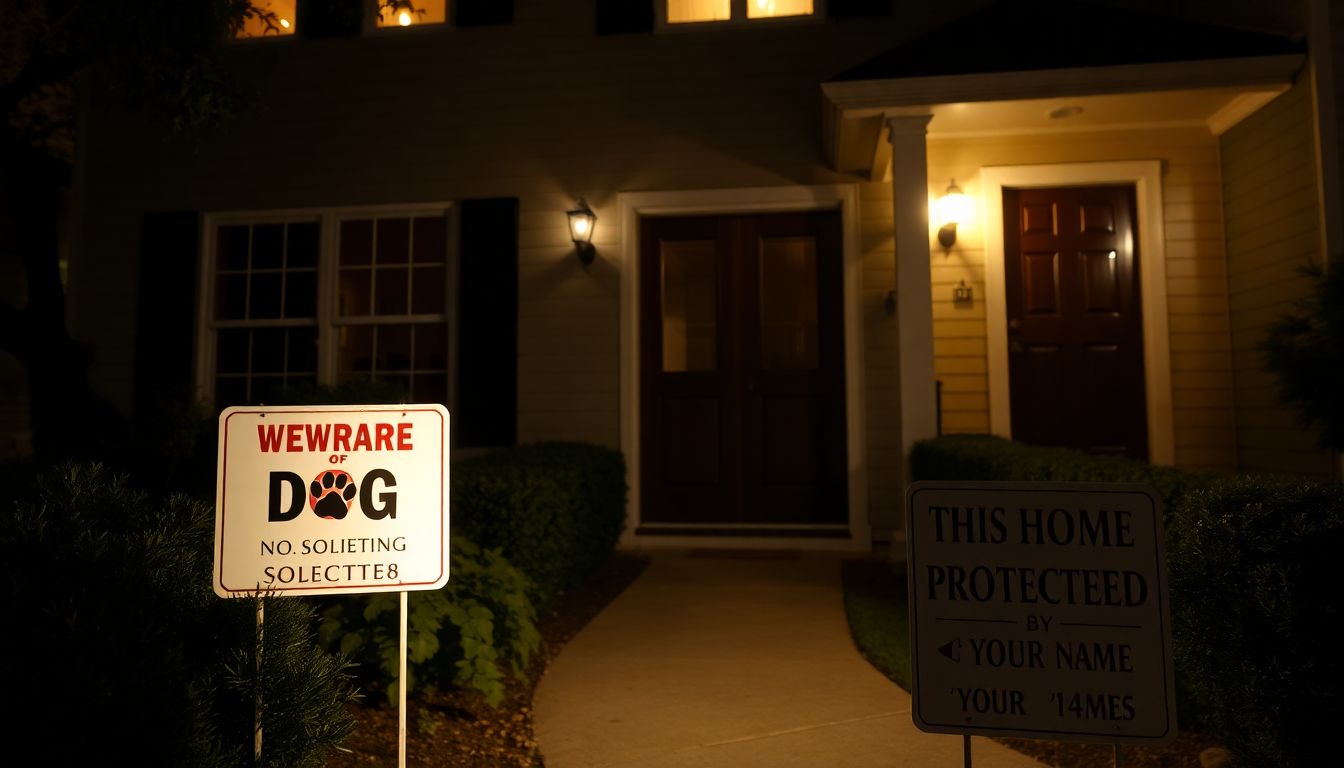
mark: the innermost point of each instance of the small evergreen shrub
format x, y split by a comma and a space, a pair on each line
466, 633
555, 510
1255, 563
118, 651
1304, 349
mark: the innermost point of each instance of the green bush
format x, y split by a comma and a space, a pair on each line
117, 650
1254, 563
461, 634
555, 510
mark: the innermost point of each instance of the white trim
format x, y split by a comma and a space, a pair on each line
1146, 176
1240, 108
844, 197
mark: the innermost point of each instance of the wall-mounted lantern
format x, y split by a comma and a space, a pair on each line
581, 221
953, 208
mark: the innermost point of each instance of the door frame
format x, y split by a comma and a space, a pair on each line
841, 197
1146, 176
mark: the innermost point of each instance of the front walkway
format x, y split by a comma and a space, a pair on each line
732, 659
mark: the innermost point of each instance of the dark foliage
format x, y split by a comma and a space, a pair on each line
1305, 350
555, 510
118, 652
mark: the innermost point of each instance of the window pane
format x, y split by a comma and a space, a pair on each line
231, 350
267, 389
231, 297
355, 287
264, 301
689, 317
302, 351
394, 241
301, 294
356, 348
231, 248
282, 25
268, 246
427, 291
399, 384
400, 13
356, 242
301, 249
389, 290
431, 346
788, 305
429, 388
430, 240
761, 9
268, 350
680, 11
394, 347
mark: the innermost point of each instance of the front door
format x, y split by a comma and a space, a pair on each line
1075, 334
742, 370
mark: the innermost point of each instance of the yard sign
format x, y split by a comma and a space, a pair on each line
323, 500
1040, 610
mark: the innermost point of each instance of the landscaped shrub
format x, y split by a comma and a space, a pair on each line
117, 651
1255, 565
464, 633
555, 510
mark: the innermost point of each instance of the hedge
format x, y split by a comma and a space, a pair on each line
555, 510
1255, 592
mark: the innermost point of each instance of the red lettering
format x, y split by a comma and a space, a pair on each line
317, 436
382, 436
404, 436
341, 438
295, 431
362, 438
269, 437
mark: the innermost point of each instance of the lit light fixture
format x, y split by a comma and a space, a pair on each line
284, 23
581, 221
404, 18
953, 208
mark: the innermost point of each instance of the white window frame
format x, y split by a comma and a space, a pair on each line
737, 17
325, 319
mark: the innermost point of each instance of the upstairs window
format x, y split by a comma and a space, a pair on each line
276, 19
693, 11
411, 13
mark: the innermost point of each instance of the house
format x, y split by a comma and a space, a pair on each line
767, 316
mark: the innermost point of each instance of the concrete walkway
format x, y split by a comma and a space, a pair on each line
732, 659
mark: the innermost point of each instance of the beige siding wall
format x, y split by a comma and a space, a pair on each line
1272, 230
1196, 277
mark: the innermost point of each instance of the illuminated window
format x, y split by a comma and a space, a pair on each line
278, 21
686, 11
411, 13
383, 315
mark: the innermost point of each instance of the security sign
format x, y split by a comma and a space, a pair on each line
324, 500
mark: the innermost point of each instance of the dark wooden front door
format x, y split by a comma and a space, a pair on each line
742, 370
1075, 333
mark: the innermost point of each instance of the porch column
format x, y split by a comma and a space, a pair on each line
914, 293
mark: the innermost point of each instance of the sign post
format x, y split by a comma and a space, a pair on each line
326, 500
1040, 610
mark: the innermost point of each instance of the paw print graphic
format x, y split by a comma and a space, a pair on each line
330, 494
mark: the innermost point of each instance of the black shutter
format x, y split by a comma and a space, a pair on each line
616, 17
487, 313
480, 13
318, 19
165, 320
854, 9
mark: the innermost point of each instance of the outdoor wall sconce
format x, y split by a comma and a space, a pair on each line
953, 208
581, 222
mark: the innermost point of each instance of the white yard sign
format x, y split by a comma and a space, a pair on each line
1040, 610
322, 500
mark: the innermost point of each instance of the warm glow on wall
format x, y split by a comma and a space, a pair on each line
283, 21
682, 11
760, 9
411, 13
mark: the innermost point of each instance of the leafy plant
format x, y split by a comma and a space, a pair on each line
468, 633
1305, 350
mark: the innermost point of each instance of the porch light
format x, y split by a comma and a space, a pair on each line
581, 221
953, 208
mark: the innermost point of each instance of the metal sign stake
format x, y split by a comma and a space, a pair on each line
966, 750
256, 722
1115, 756
401, 690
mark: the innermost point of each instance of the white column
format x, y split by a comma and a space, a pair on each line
914, 292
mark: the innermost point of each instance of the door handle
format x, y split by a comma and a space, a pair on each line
1014, 325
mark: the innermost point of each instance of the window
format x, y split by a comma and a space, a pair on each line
690, 11
279, 24
409, 13
328, 297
